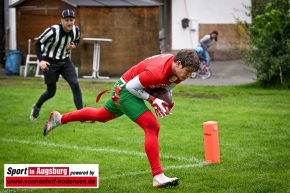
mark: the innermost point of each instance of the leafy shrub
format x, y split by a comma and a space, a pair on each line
269, 45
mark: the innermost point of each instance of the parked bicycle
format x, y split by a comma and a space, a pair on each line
207, 72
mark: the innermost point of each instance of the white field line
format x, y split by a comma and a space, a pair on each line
131, 174
87, 148
149, 171
40, 143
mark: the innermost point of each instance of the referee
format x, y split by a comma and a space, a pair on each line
53, 49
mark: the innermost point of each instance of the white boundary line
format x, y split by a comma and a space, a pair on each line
86, 148
149, 171
41, 143
128, 174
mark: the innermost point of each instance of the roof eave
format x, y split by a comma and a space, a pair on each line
70, 3
16, 3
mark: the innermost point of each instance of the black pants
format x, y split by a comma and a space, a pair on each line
66, 69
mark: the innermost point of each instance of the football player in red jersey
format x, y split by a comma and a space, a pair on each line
128, 96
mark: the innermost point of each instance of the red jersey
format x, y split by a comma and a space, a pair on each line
154, 72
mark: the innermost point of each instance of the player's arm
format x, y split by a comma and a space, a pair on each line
73, 44
78, 36
47, 34
135, 87
38, 50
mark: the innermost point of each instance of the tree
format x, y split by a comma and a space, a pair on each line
269, 44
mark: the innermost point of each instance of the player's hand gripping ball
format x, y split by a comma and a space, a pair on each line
164, 95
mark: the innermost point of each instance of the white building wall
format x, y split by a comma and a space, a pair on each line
204, 12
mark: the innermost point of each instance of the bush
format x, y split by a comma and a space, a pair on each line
269, 45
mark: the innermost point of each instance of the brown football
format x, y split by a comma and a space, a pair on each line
161, 93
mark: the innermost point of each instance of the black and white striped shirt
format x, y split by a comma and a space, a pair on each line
52, 42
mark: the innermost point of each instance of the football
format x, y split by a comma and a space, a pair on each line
161, 93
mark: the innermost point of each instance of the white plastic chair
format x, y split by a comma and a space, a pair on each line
31, 59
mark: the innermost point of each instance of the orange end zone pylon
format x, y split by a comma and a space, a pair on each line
211, 142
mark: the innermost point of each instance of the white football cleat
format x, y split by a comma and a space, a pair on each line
53, 122
162, 181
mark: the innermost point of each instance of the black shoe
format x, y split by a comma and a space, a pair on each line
34, 113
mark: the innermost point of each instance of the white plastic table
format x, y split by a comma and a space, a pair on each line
96, 57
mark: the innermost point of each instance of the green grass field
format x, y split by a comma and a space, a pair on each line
254, 135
